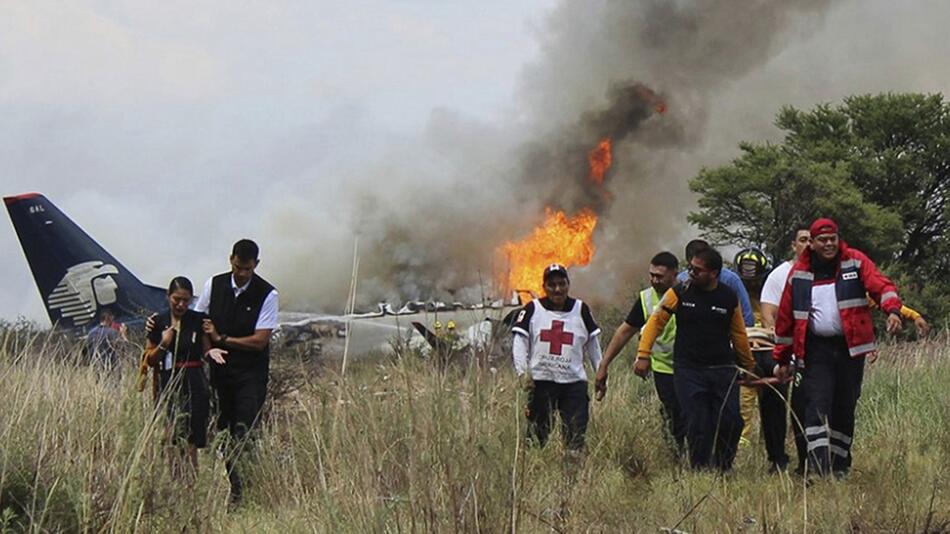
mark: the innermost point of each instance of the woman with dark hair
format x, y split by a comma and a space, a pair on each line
176, 347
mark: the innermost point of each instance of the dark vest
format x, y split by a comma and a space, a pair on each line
238, 317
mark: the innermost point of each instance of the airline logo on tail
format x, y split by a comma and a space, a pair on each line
85, 287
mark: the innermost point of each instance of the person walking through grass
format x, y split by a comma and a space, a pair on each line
824, 322
242, 312
662, 271
709, 324
176, 347
552, 336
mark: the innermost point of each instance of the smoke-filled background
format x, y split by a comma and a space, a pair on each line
431, 130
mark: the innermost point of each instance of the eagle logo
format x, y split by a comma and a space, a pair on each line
84, 288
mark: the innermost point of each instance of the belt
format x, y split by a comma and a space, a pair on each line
188, 364
833, 337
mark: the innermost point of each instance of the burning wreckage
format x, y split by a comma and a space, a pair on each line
565, 236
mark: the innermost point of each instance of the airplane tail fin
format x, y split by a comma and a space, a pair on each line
76, 277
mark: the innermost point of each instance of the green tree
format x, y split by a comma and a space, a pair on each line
879, 165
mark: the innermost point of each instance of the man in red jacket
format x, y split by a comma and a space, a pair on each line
824, 323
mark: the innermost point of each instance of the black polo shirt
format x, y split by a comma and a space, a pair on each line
703, 326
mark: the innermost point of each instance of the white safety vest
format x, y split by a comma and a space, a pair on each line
557, 340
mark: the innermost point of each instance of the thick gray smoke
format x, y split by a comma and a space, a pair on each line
169, 131
605, 77
640, 73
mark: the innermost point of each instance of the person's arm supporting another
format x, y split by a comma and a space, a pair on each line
740, 341
655, 325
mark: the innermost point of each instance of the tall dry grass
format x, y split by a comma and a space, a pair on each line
398, 446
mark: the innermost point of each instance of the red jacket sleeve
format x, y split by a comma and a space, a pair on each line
784, 325
880, 287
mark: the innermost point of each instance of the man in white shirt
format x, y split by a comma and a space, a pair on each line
775, 282
242, 312
768, 304
552, 335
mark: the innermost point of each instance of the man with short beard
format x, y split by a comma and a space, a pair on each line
662, 270
709, 324
824, 321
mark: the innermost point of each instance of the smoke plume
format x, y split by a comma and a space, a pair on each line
642, 74
169, 131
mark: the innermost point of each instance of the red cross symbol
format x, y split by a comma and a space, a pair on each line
557, 337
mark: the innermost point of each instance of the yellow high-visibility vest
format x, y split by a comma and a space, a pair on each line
661, 360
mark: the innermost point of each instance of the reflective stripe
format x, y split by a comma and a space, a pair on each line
815, 430
783, 340
838, 451
862, 349
802, 275
843, 438
823, 442
888, 296
852, 303
662, 358
800, 315
852, 263
646, 306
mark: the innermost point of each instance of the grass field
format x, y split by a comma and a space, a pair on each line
398, 446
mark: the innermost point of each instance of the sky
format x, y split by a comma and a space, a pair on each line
169, 130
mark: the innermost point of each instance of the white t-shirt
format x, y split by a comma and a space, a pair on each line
266, 320
824, 319
775, 284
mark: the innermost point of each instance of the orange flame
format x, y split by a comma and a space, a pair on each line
600, 160
560, 239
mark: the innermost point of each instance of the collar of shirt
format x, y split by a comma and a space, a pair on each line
241, 289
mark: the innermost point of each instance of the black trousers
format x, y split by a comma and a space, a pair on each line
832, 383
772, 408
188, 405
240, 400
709, 396
799, 403
672, 414
240, 394
570, 401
